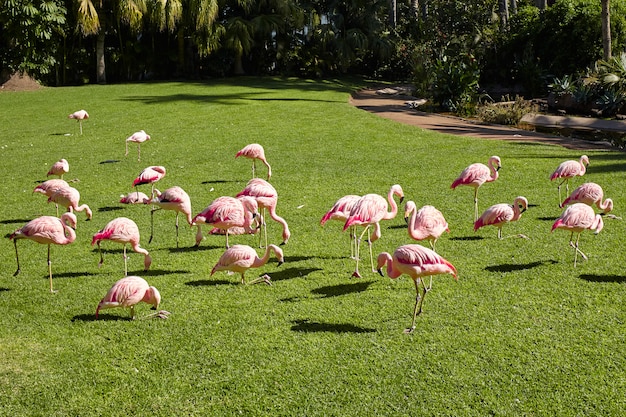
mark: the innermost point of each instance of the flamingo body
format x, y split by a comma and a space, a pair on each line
134, 197
50, 187
175, 199
500, 214
266, 197
240, 258
59, 168
225, 213
69, 197
340, 211
255, 152
150, 175
79, 116
476, 175
427, 223
125, 231
128, 292
591, 194
567, 170
138, 138
577, 218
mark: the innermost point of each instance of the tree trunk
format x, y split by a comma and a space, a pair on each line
238, 65
504, 14
415, 8
101, 76
606, 29
513, 6
180, 37
393, 15
541, 4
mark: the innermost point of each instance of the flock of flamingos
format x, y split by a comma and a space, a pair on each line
245, 213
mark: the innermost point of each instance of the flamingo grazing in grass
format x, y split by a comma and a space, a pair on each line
79, 115
47, 230
240, 258
122, 230
59, 168
174, 198
48, 188
577, 218
589, 193
370, 210
500, 214
138, 138
266, 197
255, 152
476, 175
130, 291
69, 197
225, 213
427, 223
417, 262
134, 197
150, 175
567, 170
341, 211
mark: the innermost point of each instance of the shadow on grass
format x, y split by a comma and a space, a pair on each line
291, 273
154, 272
220, 182
518, 267
110, 208
308, 326
212, 282
109, 161
548, 219
14, 221
603, 278
342, 289
3, 289
194, 248
467, 238
70, 275
101, 317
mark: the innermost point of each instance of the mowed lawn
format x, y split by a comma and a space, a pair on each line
522, 332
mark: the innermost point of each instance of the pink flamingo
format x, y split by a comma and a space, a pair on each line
130, 291
47, 230
138, 138
577, 218
149, 175
225, 213
370, 210
341, 211
59, 168
240, 258
426, 223
266, 197
255, 152
476, 175
589, 193
122, 230
69, 197
174, 198
50, 187
79, 115
134, 197
416, 261
500, 214
567, 170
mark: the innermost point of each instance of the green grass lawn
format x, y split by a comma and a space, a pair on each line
522, 332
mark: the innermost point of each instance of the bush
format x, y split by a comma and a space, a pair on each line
505, 113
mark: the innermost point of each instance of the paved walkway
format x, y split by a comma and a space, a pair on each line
392, 106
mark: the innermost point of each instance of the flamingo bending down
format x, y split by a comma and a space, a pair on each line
416, 261
476, 175
47, 230
341, 211
149, 175
589, 193
500, 214
130, 291
266, 197
426, 223
576, 218
174, 198
567, 170
122, 230
240, 258
138, 138
79, 115
69, 197
225, 213
59, 168
370, 210
50, 187
255, 151
134, 197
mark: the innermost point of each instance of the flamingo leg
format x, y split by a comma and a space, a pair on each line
475, 204
358, 250
17, 258
101, 256
265, 278
500, 233
152, 223
415, 312
138, 152
161, 314
254, 168
352, 242
198, 236
227, 245
80, 123
369, 243
577, 251
50, 271
176, 230
125, 262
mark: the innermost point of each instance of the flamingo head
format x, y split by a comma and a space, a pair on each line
153, 297
496, 162
522, 203
408, 209
584, 160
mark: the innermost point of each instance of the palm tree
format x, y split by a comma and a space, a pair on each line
606, 29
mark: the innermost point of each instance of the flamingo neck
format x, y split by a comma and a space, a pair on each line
393, 206
494, 172
266, 257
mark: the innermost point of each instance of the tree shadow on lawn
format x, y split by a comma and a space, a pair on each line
308, 326
603, 278
518, 267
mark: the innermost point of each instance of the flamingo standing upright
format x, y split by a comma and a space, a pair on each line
500, 214
225, 213
476, 175
427, 223
255, 152
49, 187
130, 291
150, 175
567, 170
174, 198
240, 258
577, 218
417, 262
122, 230
79, 115
341, 211
370, 210
138, 138
589, 193
47, 230
69, 197
266, 197
59, 168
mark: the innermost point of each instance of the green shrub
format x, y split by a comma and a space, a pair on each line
505, 113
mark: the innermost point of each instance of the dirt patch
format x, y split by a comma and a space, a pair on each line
19, 82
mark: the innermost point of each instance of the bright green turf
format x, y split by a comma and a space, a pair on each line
521, 333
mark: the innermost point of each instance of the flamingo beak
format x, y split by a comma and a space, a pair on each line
380, 271
406, 219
